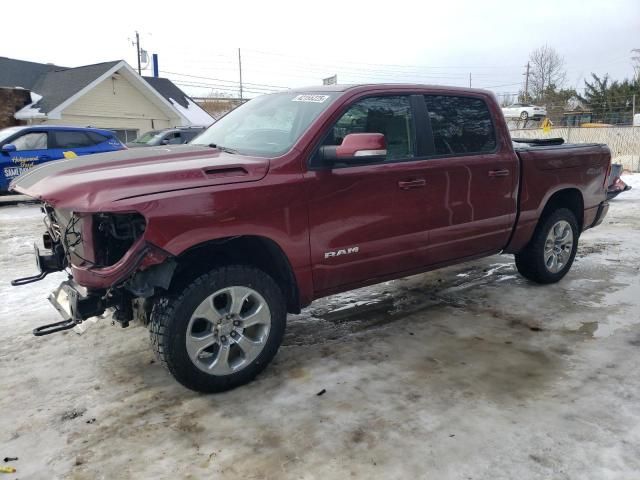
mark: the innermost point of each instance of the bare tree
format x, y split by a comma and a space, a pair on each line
547, 71
507, 99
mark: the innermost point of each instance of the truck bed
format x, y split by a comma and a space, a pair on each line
547, 169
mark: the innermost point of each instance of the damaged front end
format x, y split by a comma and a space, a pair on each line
110, 266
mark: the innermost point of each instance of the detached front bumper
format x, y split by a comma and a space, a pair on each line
75, 304
90, 290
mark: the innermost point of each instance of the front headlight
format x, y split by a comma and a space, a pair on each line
114, 234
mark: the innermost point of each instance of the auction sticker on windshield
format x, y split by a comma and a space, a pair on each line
310, 98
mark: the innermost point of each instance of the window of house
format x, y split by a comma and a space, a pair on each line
125, 136
31, 141
390, 116
461, 125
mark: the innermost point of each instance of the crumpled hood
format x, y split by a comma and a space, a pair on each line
94, 182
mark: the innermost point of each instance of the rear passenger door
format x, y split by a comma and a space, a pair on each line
471, 178
67, 143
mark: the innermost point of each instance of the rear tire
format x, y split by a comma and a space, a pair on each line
221, 330
550, 253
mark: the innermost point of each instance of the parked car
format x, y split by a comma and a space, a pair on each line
524, 111
615, 184
22, 148
168, 136
298, 195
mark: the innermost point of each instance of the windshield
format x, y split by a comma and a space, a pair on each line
266, 126
7, 132
147, 137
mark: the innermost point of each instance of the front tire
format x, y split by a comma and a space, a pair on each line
524, 115
550, 253
221, 330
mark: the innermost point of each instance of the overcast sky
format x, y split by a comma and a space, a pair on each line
297, 43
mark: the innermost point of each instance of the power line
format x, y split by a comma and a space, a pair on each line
360, 72
505, 85
235, 82
467, 67
222, 87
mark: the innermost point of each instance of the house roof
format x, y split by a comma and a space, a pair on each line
181, 101
168, 90
18, 73
57, 86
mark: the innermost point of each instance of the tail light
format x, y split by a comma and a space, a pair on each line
606, 177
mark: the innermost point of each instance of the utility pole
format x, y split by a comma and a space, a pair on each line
526, 84
240, 69
469, 79
138, 50
633, 109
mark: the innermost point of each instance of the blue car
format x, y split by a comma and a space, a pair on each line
22, 148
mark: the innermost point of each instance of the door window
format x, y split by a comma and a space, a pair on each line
96, 138
188, 136
173, 139
31, 141
460, 125
72, 139
390, 116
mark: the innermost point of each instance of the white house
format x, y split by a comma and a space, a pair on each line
107, 95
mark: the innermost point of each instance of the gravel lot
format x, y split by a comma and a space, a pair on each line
469, 372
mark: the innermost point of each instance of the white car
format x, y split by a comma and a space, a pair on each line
524, 111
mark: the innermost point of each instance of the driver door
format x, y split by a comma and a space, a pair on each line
31, 149
365, 222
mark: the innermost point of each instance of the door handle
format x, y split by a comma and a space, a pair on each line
409, 184
499, 173
45, 157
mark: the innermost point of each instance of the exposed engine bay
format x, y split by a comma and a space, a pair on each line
97, 240
114, 234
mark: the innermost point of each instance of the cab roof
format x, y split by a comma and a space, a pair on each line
382, 86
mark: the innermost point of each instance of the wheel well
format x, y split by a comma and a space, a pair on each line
570, 198
260, 252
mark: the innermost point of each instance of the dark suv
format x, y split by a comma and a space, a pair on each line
168, 136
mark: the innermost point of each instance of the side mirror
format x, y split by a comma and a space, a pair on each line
165, 141
357, 148
8, 148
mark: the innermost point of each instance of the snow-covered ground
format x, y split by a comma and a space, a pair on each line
469, 372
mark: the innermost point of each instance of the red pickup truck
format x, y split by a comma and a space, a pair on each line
295, 196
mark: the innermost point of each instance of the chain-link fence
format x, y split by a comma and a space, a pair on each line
624, 141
